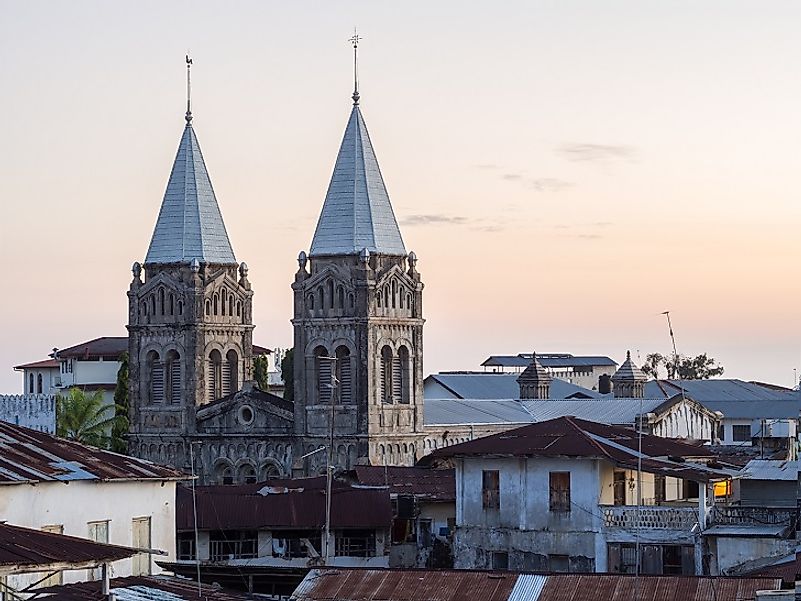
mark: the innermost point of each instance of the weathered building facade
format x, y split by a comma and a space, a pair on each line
358, 317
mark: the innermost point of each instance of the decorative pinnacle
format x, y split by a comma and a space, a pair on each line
355, 42
188, 116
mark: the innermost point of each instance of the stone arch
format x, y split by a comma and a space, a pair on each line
223, 471
246, 472
270, 469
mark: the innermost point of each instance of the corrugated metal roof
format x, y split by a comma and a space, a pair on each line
573, 437
717, 390
357, 212
615, 587
552, 360
458, 411
493, 385
432, 484
404, 585
298, 503
142, 588
342, 584
190, 225
607, 410
770, 469
768, 409
31, 456
754, 531
24, 550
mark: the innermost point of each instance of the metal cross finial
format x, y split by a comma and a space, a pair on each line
188, 90
354, 40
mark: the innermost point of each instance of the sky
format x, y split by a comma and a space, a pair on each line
565, 171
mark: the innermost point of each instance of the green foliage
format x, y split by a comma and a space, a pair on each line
288, 374
119, 431
85, 418
260, 371
700, 367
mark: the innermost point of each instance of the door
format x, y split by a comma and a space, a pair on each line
619, 487
140, 539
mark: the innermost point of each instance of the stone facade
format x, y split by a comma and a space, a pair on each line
364, 311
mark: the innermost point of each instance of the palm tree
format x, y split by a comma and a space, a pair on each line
85, 417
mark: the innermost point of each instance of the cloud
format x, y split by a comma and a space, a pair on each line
497, 227
434, 219
511, 176
485, 166
597, 152
548, 184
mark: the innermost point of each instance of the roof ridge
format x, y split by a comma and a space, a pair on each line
571, 420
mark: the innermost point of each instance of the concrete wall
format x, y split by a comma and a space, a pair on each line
729, 553
524, 526
36, 411
51, 379
74, 504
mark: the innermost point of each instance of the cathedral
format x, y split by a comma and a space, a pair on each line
358, 334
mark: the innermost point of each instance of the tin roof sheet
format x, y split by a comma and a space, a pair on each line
770, 469
494, 385
31, 456
143, 588
357, 212
432, 484
190, 225
44, 364
552, 360
24, 550
718, 390
295, 504
105, 346
343, 584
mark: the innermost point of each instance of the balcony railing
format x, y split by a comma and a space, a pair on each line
668, 518
735, 515
223, 550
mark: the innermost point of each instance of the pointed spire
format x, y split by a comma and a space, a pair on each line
190, 226
355, 42
188, 116
535, 381
357, 213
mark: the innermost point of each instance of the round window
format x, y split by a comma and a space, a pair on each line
246, 414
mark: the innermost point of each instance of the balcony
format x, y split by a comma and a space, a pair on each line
649, 517
736, 515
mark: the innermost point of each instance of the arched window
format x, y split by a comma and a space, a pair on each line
172, 304
340, 298
238, 308
400, 376
30, 383
323, 369
214, 381
231, 305
343, 370
394, 293
408, 301
230, 373
247, 474
378, 298
152, 304
208, 307
270, 472
155, 370
222, 300
180, 307
350, 300
225, 475
39, 383
386, 297
173, 374
386, 374
310, 301
330, 294
161, 300
215, 302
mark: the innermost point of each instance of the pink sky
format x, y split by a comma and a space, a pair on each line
565, 172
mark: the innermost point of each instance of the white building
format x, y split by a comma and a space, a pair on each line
64, 487
583, 370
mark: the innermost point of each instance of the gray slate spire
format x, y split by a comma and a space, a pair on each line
629, 380
190, 225
535, 381
357, 213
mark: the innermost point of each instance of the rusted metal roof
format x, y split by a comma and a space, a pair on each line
432, 484
573, 437
31, 456
619, 587
23, 550
404, 585
141, 588
342, 584
288, 504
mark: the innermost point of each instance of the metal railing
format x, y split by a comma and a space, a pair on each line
222, 550
737, 515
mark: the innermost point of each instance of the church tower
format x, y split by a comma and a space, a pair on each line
189, 314
358, 321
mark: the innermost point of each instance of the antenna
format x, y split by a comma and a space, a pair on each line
188, 90
354, 40
673, 339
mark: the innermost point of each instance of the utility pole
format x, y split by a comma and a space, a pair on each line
329, 468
